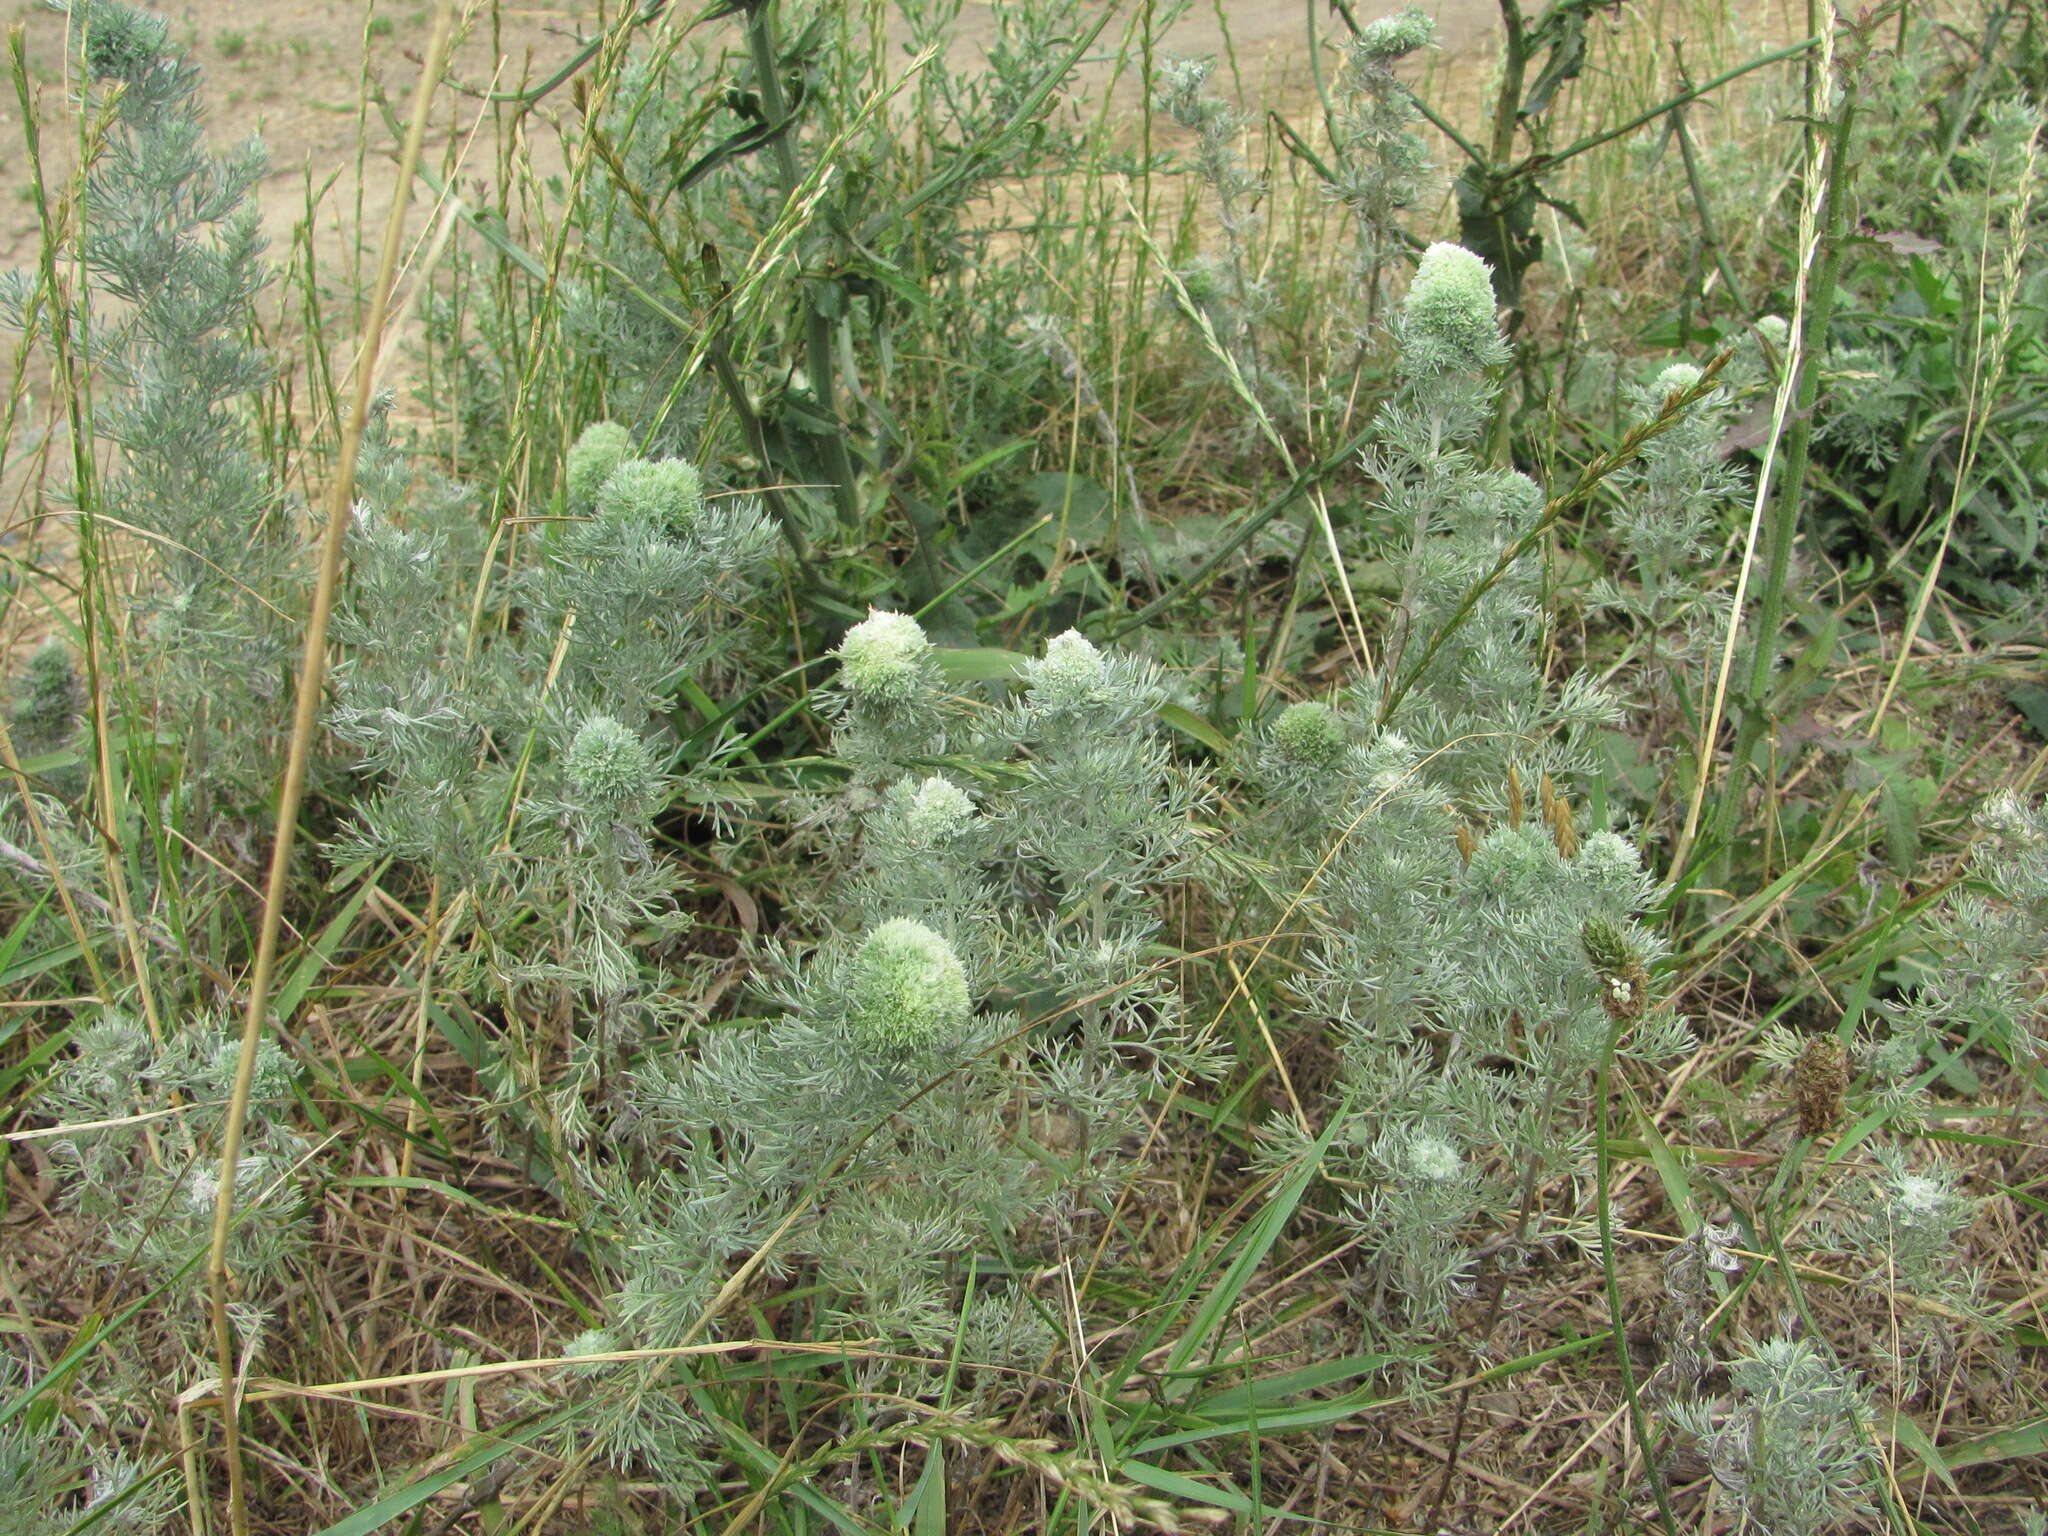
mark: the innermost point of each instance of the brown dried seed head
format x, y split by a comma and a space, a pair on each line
1467, 843
1514, 796
1818, 1080
1563, 830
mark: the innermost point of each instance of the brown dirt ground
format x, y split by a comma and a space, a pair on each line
294, 74
298, 75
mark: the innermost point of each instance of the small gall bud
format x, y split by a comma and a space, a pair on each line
1070, 675
1448, 319
1619, 966
1392, 36
1433, 1159
1679, 376
610, 768
664, 494
602, 448
938, 812
1309, 735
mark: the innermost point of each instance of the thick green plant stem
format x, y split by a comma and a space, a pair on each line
1710, 235
817, 328
1514, 64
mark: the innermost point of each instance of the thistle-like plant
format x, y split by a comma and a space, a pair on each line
1476, 953
1905, 1226
50, 1485
513, 749
1182, 94
1381, 161
1225, 292
1792, 1447
1985, 991
1461, 674
143, 1164
955, 1065
172, 246
1667, 509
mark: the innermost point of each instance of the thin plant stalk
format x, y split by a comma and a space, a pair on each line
1813, 292
817, 329
74, 384
1668, 416
1987, 369
1710, 235
65, 896
1836, 175
67, 381
1354, 638
1604, 1194
305, 723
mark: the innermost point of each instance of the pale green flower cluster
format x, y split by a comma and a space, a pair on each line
1069, 676
885, 659
937, 812
909, 990
610, 769
1309, 734
1448, 320
1391, 36
1432, 1157
666, 494
601, 448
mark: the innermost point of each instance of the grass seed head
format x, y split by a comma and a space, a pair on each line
1818, 1081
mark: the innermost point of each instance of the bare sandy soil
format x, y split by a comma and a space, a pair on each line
295, 73
301, 76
